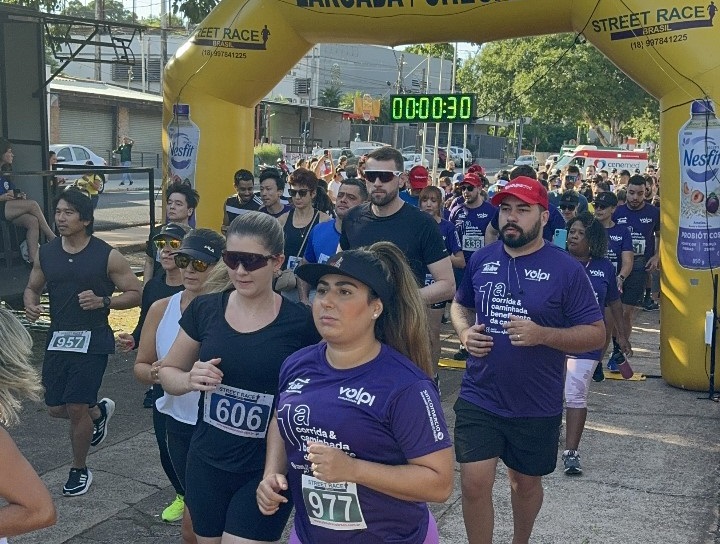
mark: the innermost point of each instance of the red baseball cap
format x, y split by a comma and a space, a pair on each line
418, 177
476, 169
526, 189
472, 179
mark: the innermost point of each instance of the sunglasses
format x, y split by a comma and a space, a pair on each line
601, 207
468, 188
567, 207
301, 192
172, 242
183, 261
385, 176
249, 261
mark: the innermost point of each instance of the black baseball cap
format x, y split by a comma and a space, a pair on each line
359, 265
606, 199
172, 230
203, 248
570, 197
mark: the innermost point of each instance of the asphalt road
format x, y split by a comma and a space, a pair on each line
118, 209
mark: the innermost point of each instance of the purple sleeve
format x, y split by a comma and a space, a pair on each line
465, 294
580, 305
417, 421
626, 243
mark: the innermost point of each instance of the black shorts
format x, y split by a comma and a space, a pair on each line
634, 288
72, 378
179, 436
2, 210
528, 445
221, 501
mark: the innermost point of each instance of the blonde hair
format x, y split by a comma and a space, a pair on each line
17, 375
403, 324
218, 280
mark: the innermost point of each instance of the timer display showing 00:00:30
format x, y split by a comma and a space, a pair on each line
432, 107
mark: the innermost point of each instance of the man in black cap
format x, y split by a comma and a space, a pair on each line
568, 204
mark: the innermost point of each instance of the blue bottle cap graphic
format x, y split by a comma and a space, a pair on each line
184, 109
702, 107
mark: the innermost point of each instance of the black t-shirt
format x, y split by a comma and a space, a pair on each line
415, 232
234, 207
251, 368
154, 290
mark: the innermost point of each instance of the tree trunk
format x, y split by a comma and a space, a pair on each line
594, 125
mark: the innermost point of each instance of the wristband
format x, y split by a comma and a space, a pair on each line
622, 278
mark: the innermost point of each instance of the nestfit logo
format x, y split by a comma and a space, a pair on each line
491, 268
356, 396
536, 275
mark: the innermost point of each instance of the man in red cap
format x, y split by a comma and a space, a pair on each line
417, 179
522, 305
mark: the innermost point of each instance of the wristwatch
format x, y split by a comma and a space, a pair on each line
106, 302
622, 278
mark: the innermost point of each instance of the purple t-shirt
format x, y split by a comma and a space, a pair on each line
385, 411
602, 278
550, 288
470, 224
450, 236
642, 224
555, 221
619, 240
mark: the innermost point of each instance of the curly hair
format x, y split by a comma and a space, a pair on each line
595, 234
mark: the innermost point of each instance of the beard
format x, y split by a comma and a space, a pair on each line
521, 239
384, 200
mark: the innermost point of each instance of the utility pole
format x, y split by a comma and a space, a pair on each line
163, 40
452, 90
398, 90
99, 15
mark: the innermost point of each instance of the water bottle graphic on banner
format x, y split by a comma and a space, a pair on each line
184, 136
699, 223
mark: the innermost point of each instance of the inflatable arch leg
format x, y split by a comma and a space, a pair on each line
239, 52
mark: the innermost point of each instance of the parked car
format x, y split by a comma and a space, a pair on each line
413, 159
530, 160
552, 159
461, 156
78, 155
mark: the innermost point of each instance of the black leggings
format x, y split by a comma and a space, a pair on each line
179, 436
159, 425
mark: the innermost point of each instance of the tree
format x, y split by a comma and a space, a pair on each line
40, 5
194, 10
438, 50
554, 80
114, 11
154, 21
330, 96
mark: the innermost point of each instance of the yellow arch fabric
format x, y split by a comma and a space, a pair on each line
243, 49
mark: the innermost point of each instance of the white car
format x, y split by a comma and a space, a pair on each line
529, 160
552, 159
77, 155
413, 159
461, 155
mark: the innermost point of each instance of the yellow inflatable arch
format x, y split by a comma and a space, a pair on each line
671, 48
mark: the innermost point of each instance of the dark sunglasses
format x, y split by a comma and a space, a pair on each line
469, 188
385, 176
172, 242
183, 261
601, 207
249, 261
295, 192
567, 207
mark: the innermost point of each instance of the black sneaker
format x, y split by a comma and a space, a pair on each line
78, 482
651, 306
461, 355
571, 462
122, 183
148, 400
107, 409
130, 182
598, 375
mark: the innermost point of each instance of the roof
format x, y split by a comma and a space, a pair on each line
101, 89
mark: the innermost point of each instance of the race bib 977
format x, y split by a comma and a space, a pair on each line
332, 506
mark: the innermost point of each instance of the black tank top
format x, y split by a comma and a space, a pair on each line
294, 237
67, 275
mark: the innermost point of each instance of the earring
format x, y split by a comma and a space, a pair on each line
375, 316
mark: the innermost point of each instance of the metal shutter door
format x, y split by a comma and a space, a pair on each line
92, 128
146, 132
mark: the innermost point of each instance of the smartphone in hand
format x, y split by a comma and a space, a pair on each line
560, 238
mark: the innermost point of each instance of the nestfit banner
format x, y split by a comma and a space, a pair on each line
242, 49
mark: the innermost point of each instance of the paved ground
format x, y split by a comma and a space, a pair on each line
650, 454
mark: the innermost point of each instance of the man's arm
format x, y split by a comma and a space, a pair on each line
33, 290
444, 286
122, 276
654, 261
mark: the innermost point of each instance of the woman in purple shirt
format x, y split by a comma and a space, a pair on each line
359, 435
587, 241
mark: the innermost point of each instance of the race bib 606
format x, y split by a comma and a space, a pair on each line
237, 411
332, 506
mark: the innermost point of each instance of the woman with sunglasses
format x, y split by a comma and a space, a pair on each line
588, 242
359, 435
230, 348
160, 286
297, 223
195, 259
431, 201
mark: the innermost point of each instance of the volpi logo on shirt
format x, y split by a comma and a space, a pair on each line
481, 215
615, 238
356, 396
491, 268
597, 273
296, 385
536, 275
646, 219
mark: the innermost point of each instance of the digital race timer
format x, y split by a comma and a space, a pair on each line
432, 108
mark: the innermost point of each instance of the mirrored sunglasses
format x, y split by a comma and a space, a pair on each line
385, 176
249, 261
183, 261
172, 242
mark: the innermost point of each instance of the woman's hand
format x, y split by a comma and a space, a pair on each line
204, 375
268, 494
330, 464
124, 342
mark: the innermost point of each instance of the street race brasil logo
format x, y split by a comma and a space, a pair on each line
232, 38
656, 21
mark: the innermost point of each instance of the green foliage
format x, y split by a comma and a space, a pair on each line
194, 10
154, 21
549, 137
330, 96
553, 81
114, 11
267, 154
347, 101
40, 5
438, 50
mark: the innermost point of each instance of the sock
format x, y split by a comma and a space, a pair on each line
616, 346
647, 293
